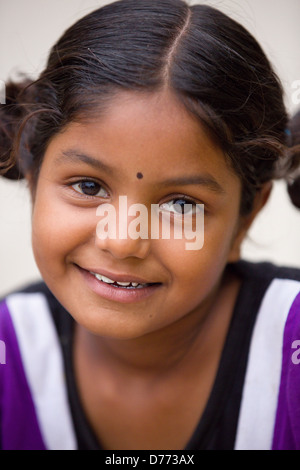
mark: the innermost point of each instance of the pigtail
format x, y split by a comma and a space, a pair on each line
12, 114
293, 176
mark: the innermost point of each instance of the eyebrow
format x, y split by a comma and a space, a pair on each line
74, 156
203, 180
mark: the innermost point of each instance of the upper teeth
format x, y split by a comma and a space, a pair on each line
102, 278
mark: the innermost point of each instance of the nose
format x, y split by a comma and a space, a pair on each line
122, 235
122, 249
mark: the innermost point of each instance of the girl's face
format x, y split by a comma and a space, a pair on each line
149, 149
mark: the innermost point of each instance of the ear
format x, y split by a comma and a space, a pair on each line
245, 222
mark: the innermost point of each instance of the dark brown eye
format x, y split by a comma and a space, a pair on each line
90, 188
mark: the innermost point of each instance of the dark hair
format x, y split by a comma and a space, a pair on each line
213, 65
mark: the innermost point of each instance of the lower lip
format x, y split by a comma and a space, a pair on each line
117, 294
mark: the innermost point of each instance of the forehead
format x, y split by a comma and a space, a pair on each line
146, 134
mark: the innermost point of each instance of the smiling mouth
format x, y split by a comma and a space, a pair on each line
119, 287
121, 284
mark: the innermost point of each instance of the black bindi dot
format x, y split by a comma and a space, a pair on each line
139, 175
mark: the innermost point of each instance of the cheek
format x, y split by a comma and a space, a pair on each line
195, 272
57, 231
210, 247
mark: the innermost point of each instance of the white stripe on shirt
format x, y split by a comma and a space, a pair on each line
43, 364
262, 382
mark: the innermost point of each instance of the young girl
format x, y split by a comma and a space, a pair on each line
139, 342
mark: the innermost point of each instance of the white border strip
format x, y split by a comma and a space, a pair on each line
261, 387
43, 365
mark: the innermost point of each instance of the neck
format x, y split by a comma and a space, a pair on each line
153, 353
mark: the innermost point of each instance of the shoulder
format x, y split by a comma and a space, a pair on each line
278, 292
28, 290
32, 321
26, 293
32, 375
21, 306
272, 374
271, 287
33, 302
266, 271
29, 320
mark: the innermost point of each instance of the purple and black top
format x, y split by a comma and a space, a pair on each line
254, 403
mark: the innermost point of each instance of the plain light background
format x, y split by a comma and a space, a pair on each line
29, 28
